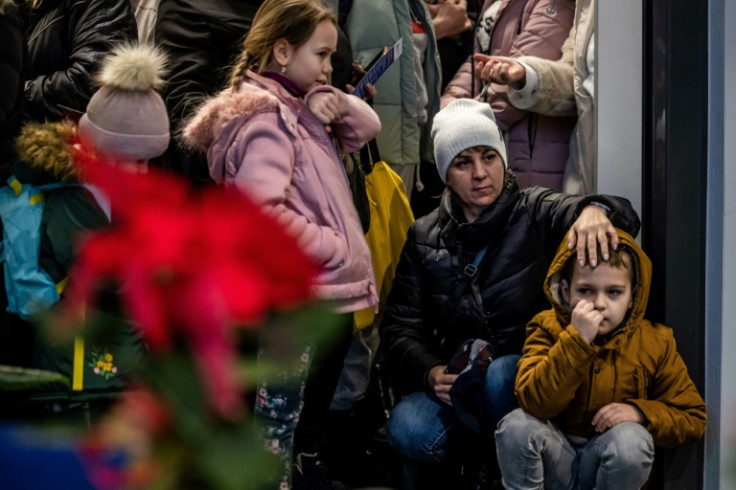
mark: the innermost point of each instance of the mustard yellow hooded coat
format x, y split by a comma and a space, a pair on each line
563, 378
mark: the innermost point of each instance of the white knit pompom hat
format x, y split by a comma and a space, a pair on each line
463, 124
126, 117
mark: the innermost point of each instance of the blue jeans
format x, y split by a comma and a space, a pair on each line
535, 454
422, 428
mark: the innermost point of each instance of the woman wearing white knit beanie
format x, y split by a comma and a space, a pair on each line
473, 270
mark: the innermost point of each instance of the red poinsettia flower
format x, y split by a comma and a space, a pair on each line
190, 263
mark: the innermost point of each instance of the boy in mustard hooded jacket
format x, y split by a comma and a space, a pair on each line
598, 385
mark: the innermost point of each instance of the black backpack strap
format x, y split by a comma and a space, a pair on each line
469, 271
369, 156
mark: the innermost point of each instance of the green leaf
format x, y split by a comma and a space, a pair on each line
14, 378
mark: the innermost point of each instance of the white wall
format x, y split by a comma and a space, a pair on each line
619, 87
728, 328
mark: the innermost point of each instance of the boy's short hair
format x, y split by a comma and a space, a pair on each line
620, 258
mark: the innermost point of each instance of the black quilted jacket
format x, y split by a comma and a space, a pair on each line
203, 39
12, 60
66, 41
423, 326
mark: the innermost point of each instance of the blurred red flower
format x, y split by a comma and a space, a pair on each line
191, 263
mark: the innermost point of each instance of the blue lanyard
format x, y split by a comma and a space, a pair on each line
472, 269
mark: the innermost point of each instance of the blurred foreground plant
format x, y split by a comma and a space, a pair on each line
198, 272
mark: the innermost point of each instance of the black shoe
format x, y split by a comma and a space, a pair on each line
309, 475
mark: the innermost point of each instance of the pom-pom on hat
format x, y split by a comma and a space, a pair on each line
126, 118
463, 124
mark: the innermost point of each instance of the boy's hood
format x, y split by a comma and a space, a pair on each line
46, 152
642, 272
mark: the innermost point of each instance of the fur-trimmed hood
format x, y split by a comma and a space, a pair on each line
216, 122
48, 149
203, 128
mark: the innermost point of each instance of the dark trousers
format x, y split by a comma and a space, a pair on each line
324, 374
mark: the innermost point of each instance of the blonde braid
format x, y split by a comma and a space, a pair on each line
238, 70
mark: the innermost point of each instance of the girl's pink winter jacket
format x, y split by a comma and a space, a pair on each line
266, 143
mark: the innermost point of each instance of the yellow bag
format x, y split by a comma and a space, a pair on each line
391, 217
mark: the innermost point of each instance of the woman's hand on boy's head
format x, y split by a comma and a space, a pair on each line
586, 320
590, 229
613, 414
440, 383
325, 106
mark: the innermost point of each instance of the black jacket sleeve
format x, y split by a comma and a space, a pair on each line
11, 75
85, 31
554, 213
405, 340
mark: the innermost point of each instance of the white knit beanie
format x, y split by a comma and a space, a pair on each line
463, 124
126, 118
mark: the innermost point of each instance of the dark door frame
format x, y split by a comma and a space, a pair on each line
675, 178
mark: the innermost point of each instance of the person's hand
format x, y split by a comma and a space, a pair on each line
450, 18
615, 413
325, 106
358, 73
586, 320
500, 69
441, 383
590, 229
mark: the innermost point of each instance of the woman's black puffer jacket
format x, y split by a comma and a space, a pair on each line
66, 41
424, 325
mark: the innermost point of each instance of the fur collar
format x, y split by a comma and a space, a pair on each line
48, 148
217, 112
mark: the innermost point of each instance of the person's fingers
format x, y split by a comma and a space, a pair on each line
504, 73
603, 241
613, 236
358, 67
599, 416
592, 249
597, 318
572, 238
582, 243
331, 103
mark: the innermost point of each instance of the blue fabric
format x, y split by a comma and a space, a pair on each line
29, 288
30, 461
422, 428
